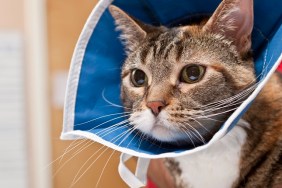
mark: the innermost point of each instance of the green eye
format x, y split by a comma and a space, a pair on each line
192, 74
138, 78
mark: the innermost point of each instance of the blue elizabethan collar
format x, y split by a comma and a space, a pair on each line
93, 90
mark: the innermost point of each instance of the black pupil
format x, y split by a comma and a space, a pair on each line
139, 77
193, 73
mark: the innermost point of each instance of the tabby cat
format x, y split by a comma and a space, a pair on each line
181, 83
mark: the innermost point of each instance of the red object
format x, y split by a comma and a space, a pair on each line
280, 67
150, 184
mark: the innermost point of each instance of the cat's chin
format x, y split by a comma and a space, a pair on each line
160, 129
157, 128
166, 138
164, 134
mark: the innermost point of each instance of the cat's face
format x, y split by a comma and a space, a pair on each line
179, 83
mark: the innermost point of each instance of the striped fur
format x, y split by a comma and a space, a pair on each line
192, 113
162, 53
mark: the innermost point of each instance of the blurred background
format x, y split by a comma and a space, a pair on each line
37, 39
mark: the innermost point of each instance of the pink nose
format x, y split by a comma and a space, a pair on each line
156, 106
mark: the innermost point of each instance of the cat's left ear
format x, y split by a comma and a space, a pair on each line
233, 19
132, 32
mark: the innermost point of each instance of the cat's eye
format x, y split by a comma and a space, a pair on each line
138, 78
192, 74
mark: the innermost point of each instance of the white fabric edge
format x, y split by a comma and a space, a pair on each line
68, 122
128, 177
76, 62
142, 169
77, 134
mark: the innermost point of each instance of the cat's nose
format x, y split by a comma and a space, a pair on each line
156, 106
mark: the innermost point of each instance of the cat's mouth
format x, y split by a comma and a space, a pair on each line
156, 127
161, 129
163, 133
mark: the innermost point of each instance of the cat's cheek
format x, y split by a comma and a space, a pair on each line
185, 88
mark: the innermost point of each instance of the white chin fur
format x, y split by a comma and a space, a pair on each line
156, 127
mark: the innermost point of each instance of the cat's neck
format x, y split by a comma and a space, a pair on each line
264, 135
217, 166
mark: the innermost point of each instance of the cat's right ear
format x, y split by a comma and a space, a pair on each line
131, 31
233, 19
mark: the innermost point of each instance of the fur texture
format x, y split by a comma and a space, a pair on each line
224, 155
191, 113
165, 106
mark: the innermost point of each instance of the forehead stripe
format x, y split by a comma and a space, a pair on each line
144, 54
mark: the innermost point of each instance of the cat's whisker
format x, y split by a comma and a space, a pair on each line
111, 103
65, 152
176, 141
88, 143
70, 148
141, 138
228, 103
211, 115
200, 124
220, 102
219, 108
119, 127
108, 121
212, 109
133, 129
103, 170
76, 178
187, 132
108, 115
103, 131
234, 100
205, 117
248, 90
200, 137
208, 118
115, 129
238, 96
74, 155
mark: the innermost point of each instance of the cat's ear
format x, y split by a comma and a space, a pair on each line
234, 20
132, 32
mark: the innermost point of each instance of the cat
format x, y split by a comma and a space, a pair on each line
181, 83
